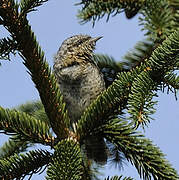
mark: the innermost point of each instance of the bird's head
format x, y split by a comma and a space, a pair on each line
78, 45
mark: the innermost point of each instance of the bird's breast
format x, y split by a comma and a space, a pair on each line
80, 85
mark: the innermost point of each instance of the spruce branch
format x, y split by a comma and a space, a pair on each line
66, 162
105, 61
109, 67
31, 107
174, 4
147, 158
158, 19
163, 60
27, 6
18, 166
7, 46
38, 68
25, 126
114, 99
141, 51
95, 10
35, 109
118, 178
111, 102
116, 158
13, 146
140, 102
171, 82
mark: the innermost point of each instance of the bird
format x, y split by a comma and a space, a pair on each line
80, 82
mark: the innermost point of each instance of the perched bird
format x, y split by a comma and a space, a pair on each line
80, 82
79, 78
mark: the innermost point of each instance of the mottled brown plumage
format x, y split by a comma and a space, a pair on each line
80, 82
79, 78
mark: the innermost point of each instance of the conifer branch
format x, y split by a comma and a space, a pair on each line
38, 68
30, 107
115, 98
163, 60
110, 103
136, 88
160, 18
171, 82
141, 51
147, 158
95, 10
7, 46
109, 67
66, 162
116, 158
157, 19
27, 6
18, 166
174, 4
13, 146
25, 127
118, 178
35, 109
140, 102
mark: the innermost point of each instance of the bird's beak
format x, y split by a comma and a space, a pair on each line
96, 38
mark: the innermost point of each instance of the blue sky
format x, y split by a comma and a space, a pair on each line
56, 21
